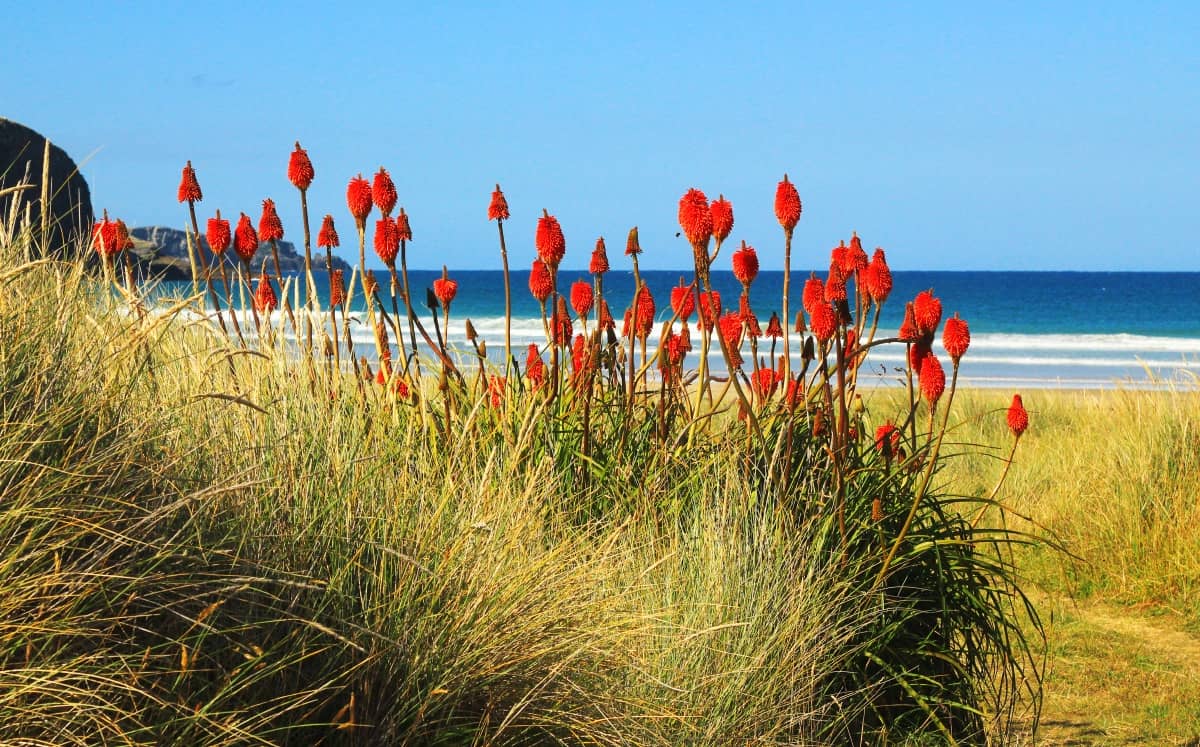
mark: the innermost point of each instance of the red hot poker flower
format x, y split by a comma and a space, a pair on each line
245, 239
722, 218
123, 241
445, 289
582, 297
856, 258
632, 245
104, 237
765, 381
710, 308
270, 228
496, 387
731, 330
1018, 419
787, 205
358, 199
535, 367
387, 240
498, 209
774, 330
337, 288
933, 378
327, 237
887, 439
264, 295
878, 278
823, 321
579, 353
927, 312
403, 230
300, 169
908, 328
218, 235
956, 337
383, 191
837, 260
813, 295
645, 311
745, 265
599, 263
540, 284
604, 317
683, 301
561, 325
189, 188
835, 287
549, 241
695, 217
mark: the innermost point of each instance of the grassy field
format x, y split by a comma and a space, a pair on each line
205, 543
1112, 476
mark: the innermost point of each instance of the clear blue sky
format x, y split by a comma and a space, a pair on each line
1020, 135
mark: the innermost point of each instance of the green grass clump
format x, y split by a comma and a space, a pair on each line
205, 543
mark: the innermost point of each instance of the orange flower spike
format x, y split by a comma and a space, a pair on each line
403, 229
813, 295
787, 204
956, 337
496, 387
549, 241
300, 169
604, 317
878, 278
683, 301
218, 234
561, 323
823, 321
582, 297
710, 309
599, 263
337, 288
774, 329
245, 239
887, 439
387, 240
927, 312
540, 284
933, 378
498, 209
358, 199
731, 330
269, 226
745, 265
856, 258
722, 218
121, 235
264, 295
383, 192
1018, 418
327, 237
695, 217
632, 245
908, 328
445, 289
189, 188
645, 311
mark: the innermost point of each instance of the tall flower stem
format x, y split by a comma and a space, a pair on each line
394, 288
412, 332
787, 275
287, 306
212, 293
507, 302
309, 290
337, 356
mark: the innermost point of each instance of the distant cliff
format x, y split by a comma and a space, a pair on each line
162, 253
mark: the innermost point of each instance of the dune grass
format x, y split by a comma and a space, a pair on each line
210, 544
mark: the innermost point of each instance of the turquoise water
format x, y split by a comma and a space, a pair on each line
1028, 328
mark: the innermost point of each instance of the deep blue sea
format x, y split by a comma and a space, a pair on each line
1050, 329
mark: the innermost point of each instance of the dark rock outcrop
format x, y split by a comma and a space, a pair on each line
71, 217
162, 253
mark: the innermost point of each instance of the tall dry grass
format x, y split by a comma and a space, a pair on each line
1112, 475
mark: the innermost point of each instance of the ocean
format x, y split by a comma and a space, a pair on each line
1028, 329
